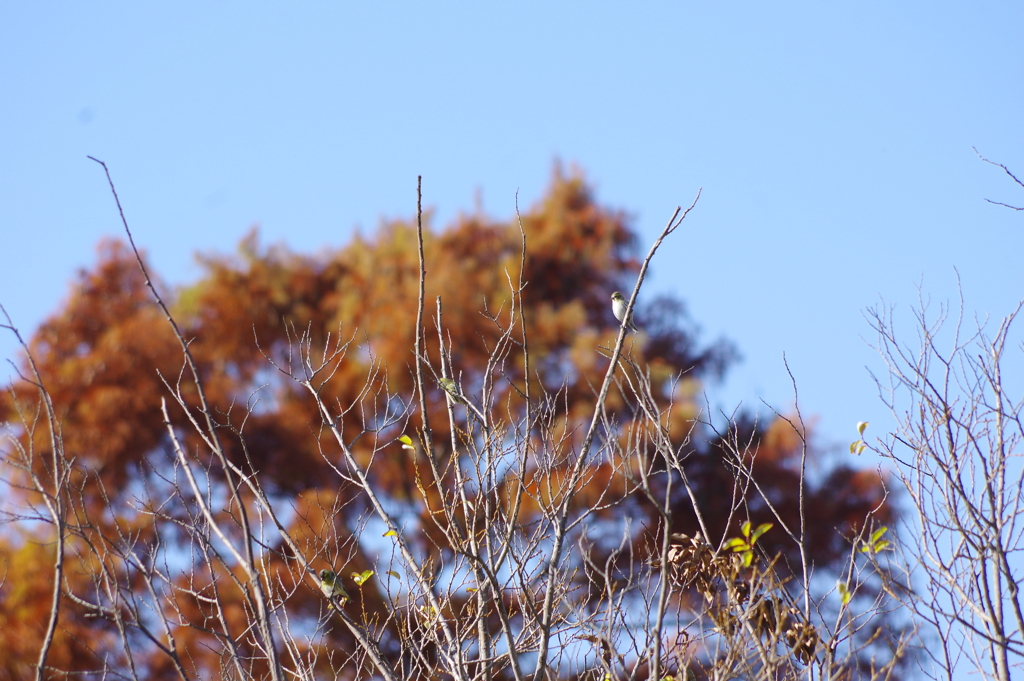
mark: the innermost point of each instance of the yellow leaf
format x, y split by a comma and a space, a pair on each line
761, 529
390, 533
736, 544
360, 577
844, 592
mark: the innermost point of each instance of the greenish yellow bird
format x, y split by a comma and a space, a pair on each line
451, 388
330, 584
619, 310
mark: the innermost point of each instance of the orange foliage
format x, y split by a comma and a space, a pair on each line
25, 599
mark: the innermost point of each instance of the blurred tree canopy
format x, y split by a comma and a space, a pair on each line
105, 355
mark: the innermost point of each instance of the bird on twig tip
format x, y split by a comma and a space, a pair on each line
619, 310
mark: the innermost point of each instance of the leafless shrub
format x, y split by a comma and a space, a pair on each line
957, 451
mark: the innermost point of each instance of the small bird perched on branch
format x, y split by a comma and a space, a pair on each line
452, 388
619, 310
330, 584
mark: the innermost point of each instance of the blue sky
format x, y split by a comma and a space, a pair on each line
833, 142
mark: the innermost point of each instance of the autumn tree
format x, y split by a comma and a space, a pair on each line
507, 482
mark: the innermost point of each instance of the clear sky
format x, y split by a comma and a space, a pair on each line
833, 142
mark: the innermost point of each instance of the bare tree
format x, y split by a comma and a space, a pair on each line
529, 565
51, 487
957, 450
1011, 175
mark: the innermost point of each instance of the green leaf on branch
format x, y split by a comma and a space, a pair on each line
875, 543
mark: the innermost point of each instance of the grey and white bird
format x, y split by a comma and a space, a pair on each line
619, 310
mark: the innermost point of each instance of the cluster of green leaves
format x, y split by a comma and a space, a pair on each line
745, 545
